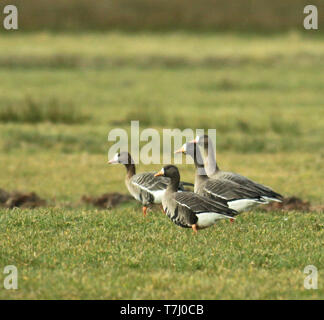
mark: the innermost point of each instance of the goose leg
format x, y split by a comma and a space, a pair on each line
144, 211
162, 209
232, 220
194, 228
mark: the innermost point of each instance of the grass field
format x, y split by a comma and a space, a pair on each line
60, 96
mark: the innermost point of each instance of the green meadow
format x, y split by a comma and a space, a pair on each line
60, 96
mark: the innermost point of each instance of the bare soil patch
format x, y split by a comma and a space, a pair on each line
289, 204
107, 200
17, 199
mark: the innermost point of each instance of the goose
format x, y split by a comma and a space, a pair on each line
189, 209
238, 197
144, 187
213, 171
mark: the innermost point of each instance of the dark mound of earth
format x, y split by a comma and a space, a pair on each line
107, 200
289, 204
17, 199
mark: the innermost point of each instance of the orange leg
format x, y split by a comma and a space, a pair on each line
232, 220
162, 209
194, 228
144, 211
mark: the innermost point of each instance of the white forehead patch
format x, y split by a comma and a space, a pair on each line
115, 157
162, 170
197, 139
184, 147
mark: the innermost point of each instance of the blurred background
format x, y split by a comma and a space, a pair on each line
76, 69
162, 15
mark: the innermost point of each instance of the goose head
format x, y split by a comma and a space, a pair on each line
122, 158
189, 148
193, 151
202, 141
169, 171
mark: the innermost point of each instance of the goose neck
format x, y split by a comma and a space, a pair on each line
130, 170
210, 160
174, 183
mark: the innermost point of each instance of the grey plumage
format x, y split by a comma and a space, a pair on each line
186, 208
213, 171
144, 187
238, 196
226, 189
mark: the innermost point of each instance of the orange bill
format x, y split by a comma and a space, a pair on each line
160, 173
181, 150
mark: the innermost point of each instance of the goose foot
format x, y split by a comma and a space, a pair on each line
232, 220
144, 211
194, 228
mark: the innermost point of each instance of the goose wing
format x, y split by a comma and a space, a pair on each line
262, 190
229, 190
198, 204
146, 181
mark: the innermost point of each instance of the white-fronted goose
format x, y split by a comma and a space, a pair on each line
238, 197
144, 187
188, 209
213, 171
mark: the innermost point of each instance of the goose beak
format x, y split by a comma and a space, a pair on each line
194, 141
112, 161
181, 150
160, 173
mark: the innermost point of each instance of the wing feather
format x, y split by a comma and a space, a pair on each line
262, 190
229, 190
198, 204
